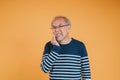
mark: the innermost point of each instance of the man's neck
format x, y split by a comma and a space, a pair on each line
66, 40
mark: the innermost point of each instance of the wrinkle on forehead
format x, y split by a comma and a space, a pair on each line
59, 22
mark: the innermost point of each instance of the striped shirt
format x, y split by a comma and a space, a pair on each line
66, 62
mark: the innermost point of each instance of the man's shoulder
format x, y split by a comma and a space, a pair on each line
78, 42
48, 43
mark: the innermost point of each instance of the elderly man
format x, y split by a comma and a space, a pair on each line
65, 58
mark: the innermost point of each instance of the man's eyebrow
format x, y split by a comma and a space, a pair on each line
56, 26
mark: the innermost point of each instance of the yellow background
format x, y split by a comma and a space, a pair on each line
25, 28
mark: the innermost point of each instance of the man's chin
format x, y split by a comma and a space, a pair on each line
59, 40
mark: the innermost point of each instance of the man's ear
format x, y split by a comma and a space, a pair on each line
69, 27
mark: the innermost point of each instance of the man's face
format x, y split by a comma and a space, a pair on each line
60, 29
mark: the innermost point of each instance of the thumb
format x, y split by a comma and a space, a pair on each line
53, 37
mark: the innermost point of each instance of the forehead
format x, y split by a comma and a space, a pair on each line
59, 21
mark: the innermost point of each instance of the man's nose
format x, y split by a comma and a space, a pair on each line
57, 29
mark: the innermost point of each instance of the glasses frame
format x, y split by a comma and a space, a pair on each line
55, 27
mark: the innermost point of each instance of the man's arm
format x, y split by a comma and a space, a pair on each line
85, 66
50, 56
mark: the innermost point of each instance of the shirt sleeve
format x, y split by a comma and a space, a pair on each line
85, 66
49, 57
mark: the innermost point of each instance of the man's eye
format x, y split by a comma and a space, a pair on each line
61, 26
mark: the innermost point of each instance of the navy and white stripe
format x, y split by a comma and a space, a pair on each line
85, 67
48, 61
65, 62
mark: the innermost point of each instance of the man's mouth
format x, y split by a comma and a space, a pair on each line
58, 34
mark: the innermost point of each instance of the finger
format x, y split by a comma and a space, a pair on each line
54, 37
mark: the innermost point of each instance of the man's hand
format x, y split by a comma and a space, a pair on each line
54, 41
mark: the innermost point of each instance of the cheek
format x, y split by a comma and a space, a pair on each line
64, 32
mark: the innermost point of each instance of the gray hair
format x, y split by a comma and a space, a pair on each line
65, 19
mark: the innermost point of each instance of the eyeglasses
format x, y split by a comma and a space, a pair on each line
59, 27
